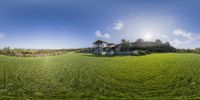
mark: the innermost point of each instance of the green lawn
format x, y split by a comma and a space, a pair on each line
86, 76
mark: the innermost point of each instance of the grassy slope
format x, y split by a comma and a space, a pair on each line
86, 76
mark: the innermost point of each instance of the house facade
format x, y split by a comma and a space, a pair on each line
99, 45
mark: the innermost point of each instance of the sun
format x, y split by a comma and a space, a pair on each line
148, 36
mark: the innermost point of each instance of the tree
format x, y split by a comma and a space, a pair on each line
6, 50
166, 44
125, 45
139, 40
123, 41
158, 41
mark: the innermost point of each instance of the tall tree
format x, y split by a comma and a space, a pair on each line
125, 45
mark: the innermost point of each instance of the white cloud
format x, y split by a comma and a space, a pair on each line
2, 35
102, 35
183, 33
177, 42
184, 38
153, 28
118, 25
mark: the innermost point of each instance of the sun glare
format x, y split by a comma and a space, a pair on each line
148, 36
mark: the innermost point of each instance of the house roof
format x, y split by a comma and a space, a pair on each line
110, 45
99, 42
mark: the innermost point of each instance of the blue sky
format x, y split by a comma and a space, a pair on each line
78, 23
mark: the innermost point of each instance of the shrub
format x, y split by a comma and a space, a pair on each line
136, 53
142, 52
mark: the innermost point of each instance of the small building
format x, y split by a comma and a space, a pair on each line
102, 46
99, 45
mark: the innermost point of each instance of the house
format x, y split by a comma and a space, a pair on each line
104, 48
99, 45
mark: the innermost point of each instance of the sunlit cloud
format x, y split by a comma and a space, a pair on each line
102, 35
183, 33
148, 27
156, 27
183, 37
177, 42
118, 25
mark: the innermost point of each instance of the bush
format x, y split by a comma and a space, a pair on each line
142, 52
136, 53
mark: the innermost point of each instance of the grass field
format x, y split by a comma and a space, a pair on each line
86, 76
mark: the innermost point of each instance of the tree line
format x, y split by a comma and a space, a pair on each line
140, 44
38, 52
197, 50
